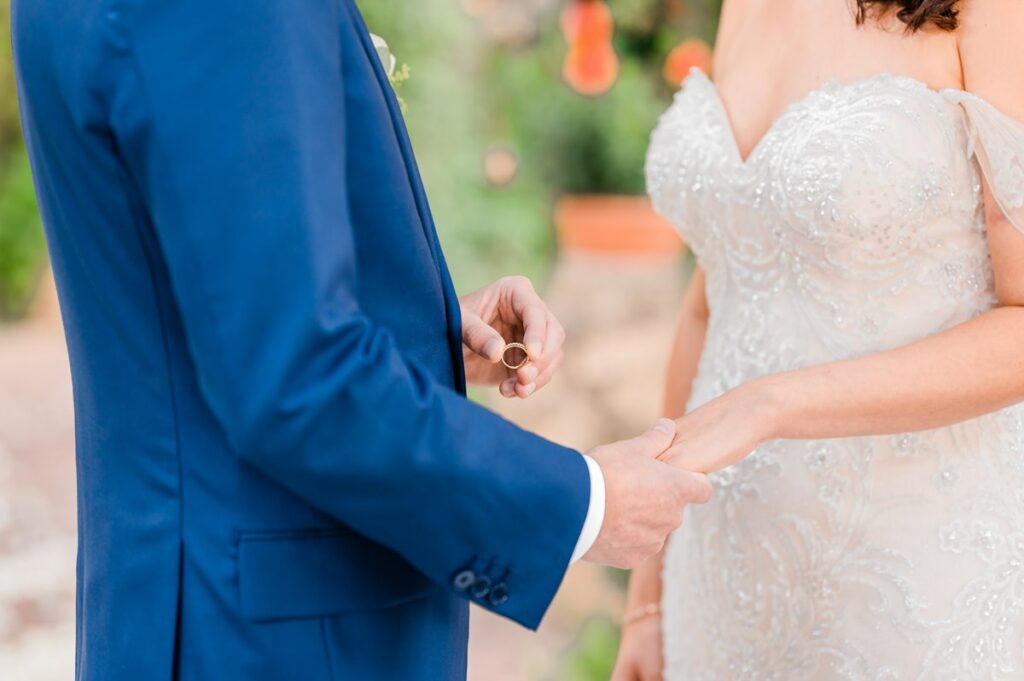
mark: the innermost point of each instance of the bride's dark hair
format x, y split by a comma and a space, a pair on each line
915, 14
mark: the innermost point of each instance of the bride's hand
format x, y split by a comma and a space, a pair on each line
725, 430
640, 652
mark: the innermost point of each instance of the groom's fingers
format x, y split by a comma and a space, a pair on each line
529, 379
533, 314
528, 374
542, 365
656, 440
555, 336
535, 328
482, 339
548, 372
524, 391
696, 487
508, 388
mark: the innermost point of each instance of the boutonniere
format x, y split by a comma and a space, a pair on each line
397, 75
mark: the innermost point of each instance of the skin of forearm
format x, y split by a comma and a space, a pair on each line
972, 369
645, 583
687, 346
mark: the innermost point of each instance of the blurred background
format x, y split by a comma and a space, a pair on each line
530, 120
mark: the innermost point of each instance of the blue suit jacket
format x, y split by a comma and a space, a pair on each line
279, 475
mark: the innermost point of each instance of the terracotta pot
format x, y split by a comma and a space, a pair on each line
614, 224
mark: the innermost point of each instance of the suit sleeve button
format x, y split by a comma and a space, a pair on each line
481, 587
464, 580
499, 595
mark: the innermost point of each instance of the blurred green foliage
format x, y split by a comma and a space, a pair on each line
470, 93
578, 144
592, 655
9, 132
486, 232
571, 143
22, 247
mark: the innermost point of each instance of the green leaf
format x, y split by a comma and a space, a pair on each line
592, 655
22, 246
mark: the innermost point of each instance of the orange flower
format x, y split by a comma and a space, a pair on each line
684, 56
591, 65
591, 70
587, 22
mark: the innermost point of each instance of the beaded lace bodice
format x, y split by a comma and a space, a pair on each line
856, 224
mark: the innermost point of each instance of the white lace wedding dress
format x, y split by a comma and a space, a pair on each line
854, 226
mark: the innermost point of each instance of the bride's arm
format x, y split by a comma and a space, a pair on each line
687, 345
971, 369
640, 652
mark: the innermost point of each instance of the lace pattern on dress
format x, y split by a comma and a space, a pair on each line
855, 225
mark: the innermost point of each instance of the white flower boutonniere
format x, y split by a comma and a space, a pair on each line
396, 75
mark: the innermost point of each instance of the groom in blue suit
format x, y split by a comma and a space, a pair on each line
279, 475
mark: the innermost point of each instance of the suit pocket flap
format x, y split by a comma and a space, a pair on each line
286, 575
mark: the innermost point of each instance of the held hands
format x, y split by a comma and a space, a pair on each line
707, 439
644, 497
650, 479
725, 430
509, 310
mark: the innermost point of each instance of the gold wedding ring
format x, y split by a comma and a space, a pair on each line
515, 346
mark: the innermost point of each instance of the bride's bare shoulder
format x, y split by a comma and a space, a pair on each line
990, 38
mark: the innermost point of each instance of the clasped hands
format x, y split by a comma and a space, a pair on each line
650, 479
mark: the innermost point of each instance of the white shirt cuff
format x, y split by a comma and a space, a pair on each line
595, 511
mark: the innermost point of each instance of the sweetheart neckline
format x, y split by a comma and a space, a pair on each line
832, 84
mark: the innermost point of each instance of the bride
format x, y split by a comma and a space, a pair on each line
850, 353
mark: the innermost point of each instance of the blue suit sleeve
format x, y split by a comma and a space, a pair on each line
230, 118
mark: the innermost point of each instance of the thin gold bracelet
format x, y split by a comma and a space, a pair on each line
641, 613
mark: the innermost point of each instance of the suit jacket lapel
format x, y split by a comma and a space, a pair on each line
423, 208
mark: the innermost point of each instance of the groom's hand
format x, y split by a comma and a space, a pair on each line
509, 310
644, 497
